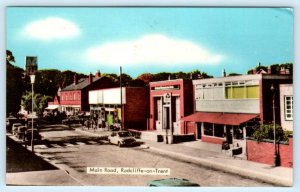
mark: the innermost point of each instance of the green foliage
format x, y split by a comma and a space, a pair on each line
266, 131
40, 102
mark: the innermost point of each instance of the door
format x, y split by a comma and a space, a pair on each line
199, 131
229, 134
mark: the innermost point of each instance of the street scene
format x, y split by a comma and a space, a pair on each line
101, 97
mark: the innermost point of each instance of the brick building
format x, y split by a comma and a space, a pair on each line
74, 97
226, 108
170, 101
133, 110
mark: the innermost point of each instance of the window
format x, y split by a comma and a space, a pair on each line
218, 130
288, 107
208, 129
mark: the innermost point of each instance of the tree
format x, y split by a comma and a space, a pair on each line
266, 131
14, 84
146, 77
39, 105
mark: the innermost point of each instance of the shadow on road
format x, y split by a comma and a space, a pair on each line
19, 159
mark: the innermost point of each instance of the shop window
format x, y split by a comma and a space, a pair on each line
218, 130
208, 129
238, 132
288, 107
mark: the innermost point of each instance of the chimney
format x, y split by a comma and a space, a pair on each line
75, 79
90, 79
98, 74
223, 73
269, 70
282, 70
254, 71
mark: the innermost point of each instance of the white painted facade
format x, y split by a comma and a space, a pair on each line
286, 92
107, 96
210, 94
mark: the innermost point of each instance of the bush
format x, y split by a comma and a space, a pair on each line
266, 131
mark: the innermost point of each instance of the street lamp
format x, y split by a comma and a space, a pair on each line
274, 126
32, 79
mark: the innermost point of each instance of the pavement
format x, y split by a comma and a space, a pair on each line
204, 154
192, 152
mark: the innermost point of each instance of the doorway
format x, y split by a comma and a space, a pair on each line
199, 133
229, 134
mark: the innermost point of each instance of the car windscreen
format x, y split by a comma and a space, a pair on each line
124, 134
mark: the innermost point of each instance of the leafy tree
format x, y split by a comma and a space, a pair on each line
40, 102
14, 84
266, 131
146, 77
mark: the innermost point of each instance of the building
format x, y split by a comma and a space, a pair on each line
75, 97
286, 106
227, 108
133, 110
170, 101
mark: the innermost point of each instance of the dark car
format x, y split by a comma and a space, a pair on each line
172, 182
36, 135
72, 120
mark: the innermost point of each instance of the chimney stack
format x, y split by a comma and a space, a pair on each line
90, 79
75, 79
98, 74
269, 70
282, 70
287, 71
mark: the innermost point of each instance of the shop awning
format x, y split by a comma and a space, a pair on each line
51, 107
220, 118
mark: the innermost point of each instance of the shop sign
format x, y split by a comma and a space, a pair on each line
171, 87
167, 97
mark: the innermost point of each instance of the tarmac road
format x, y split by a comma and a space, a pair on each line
77, 156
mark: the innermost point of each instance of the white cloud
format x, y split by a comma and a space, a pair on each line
152, 49
51, 28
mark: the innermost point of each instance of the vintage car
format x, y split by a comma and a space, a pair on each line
36, 135
20, 134
172, 182
121, 138
14, 128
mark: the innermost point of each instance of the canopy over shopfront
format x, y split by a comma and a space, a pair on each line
51, 107
220, 118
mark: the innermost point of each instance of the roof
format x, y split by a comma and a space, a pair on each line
82, 83
220, 118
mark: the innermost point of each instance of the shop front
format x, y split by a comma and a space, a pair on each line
169, 102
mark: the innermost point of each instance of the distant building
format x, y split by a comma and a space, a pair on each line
286, 106
75, 97
31, 65
106, 104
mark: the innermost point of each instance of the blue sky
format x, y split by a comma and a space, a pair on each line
150, 39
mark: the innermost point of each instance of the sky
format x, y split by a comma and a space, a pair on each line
150, 40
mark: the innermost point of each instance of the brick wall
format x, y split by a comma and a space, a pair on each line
136, 109
214, 140
190, 128
263, 152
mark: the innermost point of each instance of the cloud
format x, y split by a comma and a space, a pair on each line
152, 49
51, 28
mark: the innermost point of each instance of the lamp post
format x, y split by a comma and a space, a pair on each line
274, 126
32, 79
121, 98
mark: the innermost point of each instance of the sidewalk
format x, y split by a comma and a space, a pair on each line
26, 168
201, 155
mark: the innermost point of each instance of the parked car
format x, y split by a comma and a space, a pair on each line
172, 182
20, 134
72, 120
36, 135
14, 128
121, 138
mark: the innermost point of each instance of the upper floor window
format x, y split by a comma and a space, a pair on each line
288, 107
